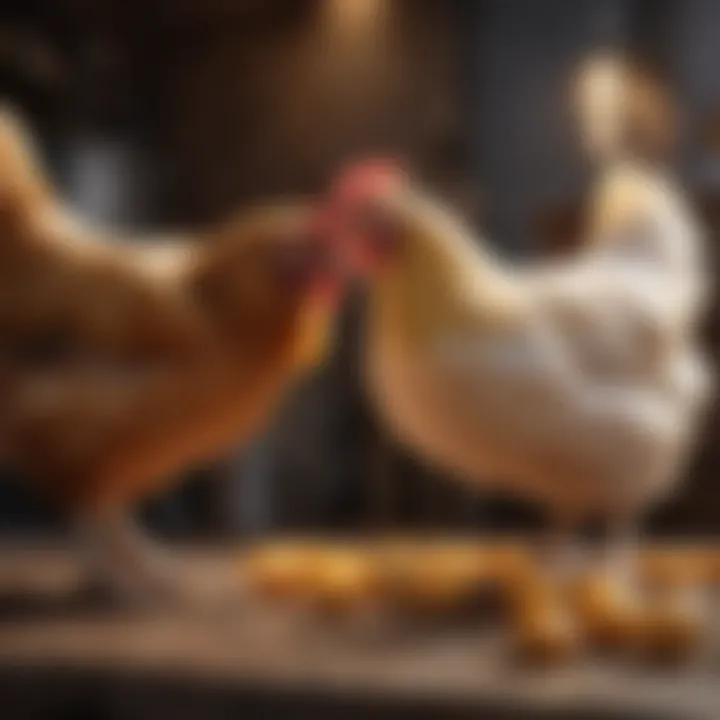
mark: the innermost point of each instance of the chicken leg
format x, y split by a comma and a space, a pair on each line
125, 563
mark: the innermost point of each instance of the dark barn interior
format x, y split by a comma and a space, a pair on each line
172, 112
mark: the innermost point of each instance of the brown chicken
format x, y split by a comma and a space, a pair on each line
123, 363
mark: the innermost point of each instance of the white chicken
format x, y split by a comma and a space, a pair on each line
578, 384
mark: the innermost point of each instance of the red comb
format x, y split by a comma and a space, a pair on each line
368, 178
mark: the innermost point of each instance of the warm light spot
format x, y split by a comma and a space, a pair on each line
355, 16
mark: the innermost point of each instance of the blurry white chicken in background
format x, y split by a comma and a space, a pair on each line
579, 384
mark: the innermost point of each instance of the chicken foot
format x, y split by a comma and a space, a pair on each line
619, 553
616, 556
559, 549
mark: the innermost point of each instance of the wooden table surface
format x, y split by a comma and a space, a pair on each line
231, 648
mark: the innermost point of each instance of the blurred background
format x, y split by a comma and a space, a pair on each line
173, 112
170, 113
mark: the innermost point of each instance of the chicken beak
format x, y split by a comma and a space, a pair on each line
356, 205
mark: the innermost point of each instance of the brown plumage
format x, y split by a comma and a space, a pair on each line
123, 363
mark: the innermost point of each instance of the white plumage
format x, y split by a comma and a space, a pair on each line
577, 383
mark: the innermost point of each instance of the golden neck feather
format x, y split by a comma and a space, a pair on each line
444, 278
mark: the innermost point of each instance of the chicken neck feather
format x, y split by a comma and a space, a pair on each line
444, 278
